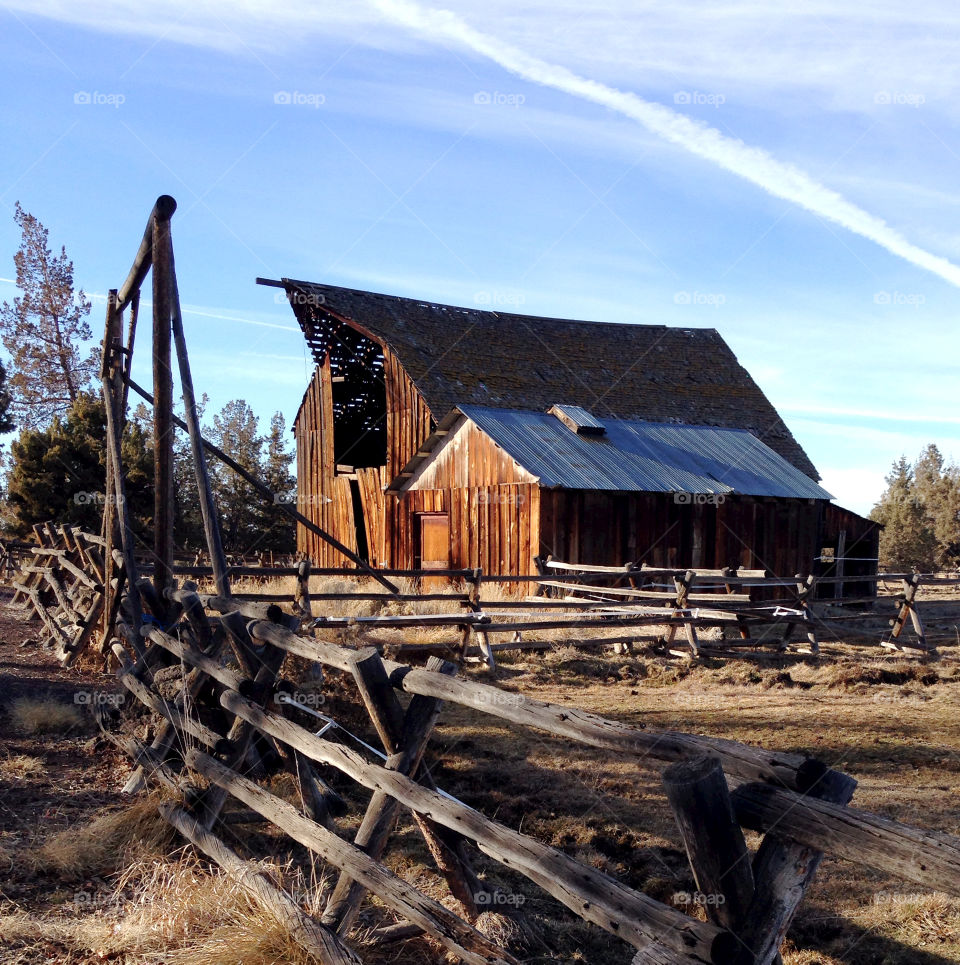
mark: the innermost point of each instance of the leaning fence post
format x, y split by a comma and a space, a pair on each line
783, 870
475, 578
404, 738
698, 794
908, 606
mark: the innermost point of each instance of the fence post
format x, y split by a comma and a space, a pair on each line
301, 599
405, 738
783, 870
909, 607
698, 794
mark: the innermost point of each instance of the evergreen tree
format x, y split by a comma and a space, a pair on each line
58, 473
6, 423
44, 330
279, 530
936, 487
907, 541
235, 431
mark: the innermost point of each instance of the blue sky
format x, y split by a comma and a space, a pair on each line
787, 177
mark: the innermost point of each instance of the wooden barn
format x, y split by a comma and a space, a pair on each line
432, 436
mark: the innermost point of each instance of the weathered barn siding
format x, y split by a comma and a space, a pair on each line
470, 458
493, 527
492, 505
408, 418
408, 424
325, 499
664, 530
844, 533
372, 483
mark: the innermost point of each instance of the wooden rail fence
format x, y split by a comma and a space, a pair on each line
714, 787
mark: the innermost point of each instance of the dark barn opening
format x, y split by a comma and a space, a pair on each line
359, 400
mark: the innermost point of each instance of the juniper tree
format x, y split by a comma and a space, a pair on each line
44, 330
279, 531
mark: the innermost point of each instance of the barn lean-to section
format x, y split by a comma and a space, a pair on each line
385, 466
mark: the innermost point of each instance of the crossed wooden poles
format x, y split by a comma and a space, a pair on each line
715, 787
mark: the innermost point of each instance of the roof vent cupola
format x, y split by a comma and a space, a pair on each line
577, 420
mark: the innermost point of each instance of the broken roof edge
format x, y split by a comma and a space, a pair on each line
381, 318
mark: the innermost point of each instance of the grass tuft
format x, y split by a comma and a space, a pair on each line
19, 767
108, 842
45, 716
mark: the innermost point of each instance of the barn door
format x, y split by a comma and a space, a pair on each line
434, 548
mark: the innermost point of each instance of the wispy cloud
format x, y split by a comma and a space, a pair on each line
890, 415
754, 164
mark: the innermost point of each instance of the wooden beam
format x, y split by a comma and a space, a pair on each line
163, 210
208, 507
163, 504
595, 897
929, 858
700, 799
795, 771
283, 507
783, 870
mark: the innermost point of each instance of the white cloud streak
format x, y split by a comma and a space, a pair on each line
780, 179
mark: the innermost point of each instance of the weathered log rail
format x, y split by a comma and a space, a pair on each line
763, 611
62, 578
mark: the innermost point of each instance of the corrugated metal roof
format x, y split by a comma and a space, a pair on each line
636, 456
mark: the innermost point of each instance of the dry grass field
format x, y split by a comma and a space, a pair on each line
86, 878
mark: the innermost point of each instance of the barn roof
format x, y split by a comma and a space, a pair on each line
628, 455
467, 356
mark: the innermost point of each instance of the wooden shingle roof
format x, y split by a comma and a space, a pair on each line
467, 356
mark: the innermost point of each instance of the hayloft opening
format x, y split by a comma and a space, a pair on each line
359, 401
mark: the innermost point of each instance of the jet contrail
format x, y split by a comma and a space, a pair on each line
754, 164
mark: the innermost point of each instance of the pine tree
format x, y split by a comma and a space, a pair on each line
936, 486
44, 330
6, 423
235, 431
278, 530
907, 540
58, 473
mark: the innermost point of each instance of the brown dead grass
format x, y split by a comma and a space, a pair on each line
108, 843
175, 912
888, 720
19, 767
46, 716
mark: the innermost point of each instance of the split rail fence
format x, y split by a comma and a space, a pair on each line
202, 755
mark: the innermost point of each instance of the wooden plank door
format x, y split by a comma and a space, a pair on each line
434, 530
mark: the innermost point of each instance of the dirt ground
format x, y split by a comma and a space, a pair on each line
890, 722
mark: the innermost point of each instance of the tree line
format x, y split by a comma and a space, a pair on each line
56, 467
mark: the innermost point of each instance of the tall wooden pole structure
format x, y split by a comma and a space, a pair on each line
208, 508
162, 399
